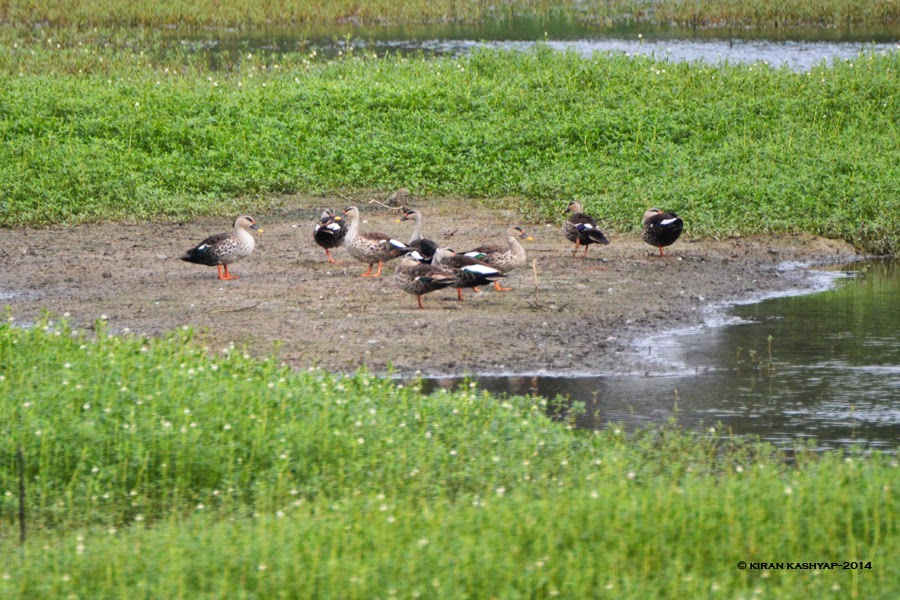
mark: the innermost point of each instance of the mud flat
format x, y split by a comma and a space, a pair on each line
565, 315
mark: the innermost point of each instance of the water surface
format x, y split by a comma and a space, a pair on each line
799, 49
831, 370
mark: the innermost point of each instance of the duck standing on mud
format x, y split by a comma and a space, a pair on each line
468, 272
582, 229
661, 228
329, 232
504, 259
423, 245
370, 247
415, 277
225, 248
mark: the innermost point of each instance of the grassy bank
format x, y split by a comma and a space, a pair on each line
156, 469
232, 13
111, 126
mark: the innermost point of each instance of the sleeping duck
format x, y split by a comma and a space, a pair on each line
661, 228
329, 232
504, 259
582, 229
425, 246
370, 247
415, 277
468, 272
225, 248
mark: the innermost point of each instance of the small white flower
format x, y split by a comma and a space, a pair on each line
500, 491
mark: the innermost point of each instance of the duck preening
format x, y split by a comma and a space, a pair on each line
329, 232
224, 249
370, 247
661, 228
415, 277
467, 272
582, 229
425, 246
504, 259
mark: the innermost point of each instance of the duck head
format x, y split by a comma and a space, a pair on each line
246, 222
574, 207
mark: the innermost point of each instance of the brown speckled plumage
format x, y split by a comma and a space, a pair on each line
661, 228
329, 232
419, 278
503, 259
582, 229
506, 258
224, 249
467, 272
371, 247
424, 246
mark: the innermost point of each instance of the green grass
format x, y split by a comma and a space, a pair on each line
157, 468
113, 126
243, 13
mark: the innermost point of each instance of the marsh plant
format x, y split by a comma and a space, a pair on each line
101, 125
163, 468
244, 13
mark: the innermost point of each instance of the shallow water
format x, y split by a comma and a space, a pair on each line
830, 372
799, 49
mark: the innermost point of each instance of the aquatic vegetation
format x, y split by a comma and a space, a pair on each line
243, 13
162, 466
98, 127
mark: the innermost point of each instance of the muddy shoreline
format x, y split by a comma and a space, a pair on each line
565, 316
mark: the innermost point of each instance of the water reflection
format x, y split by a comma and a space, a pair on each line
823, 366
799, 49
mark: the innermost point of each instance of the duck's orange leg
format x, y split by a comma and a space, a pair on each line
661, 252
378, 274
586, 246
419, 298
228, 276
499, 288
331, 260
577, 243
219, 269
368, 272
459, 294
